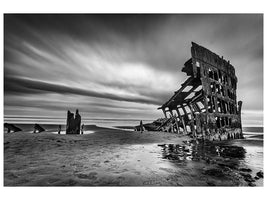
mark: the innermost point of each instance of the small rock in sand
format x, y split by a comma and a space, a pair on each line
210, 183
245, 170
251, 184
247, 177
260, 174
215, 172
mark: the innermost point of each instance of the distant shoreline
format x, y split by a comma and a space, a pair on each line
259, 129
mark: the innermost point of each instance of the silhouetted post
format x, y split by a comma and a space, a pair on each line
68, 122
77, 122
59, 129
72, 124
141, 127
82, 129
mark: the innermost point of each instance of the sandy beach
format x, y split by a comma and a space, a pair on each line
113, 157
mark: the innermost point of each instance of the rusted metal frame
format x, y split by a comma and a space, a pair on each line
209, 65
197, 108
185, 112
204, 79
164, 112
215, 103
197, 98
222, 105
170, 110
184, 85
188, 66
219, 105
184, 125
181, 118
194, 109
198, 94
224, 122
191, 110
188, 82
192, 120
224, 80
209, 102
176, 123
206, 104
192, 90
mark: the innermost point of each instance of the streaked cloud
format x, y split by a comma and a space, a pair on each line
131, 63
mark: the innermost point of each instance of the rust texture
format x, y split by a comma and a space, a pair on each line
205, 105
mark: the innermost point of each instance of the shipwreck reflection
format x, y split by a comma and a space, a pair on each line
204, 150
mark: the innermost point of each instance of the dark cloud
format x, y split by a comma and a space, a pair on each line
19, 85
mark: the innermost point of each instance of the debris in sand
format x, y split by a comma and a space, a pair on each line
245, 170
59, 129
38, 128
215, 172
251, 184
247, 177
260, 174
82, 129
11, 127
73, 124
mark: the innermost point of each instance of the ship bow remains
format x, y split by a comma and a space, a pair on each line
205, 105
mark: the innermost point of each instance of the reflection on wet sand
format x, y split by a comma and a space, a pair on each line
195, 150
224, 160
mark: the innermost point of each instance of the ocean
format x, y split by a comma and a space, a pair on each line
108, 123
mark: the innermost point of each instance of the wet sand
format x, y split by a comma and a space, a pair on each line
110, 157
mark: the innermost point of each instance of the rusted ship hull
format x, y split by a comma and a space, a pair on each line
205, 106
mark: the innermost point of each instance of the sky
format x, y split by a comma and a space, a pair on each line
122, 66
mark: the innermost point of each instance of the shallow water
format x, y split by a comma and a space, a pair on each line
108, 123
49, 128
64, 132
243, 153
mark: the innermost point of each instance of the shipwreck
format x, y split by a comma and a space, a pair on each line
205, 105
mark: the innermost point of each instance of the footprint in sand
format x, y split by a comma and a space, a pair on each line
137, 173
6, 147
68, 182
166, 169
10, 175
91, 176
120, 179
